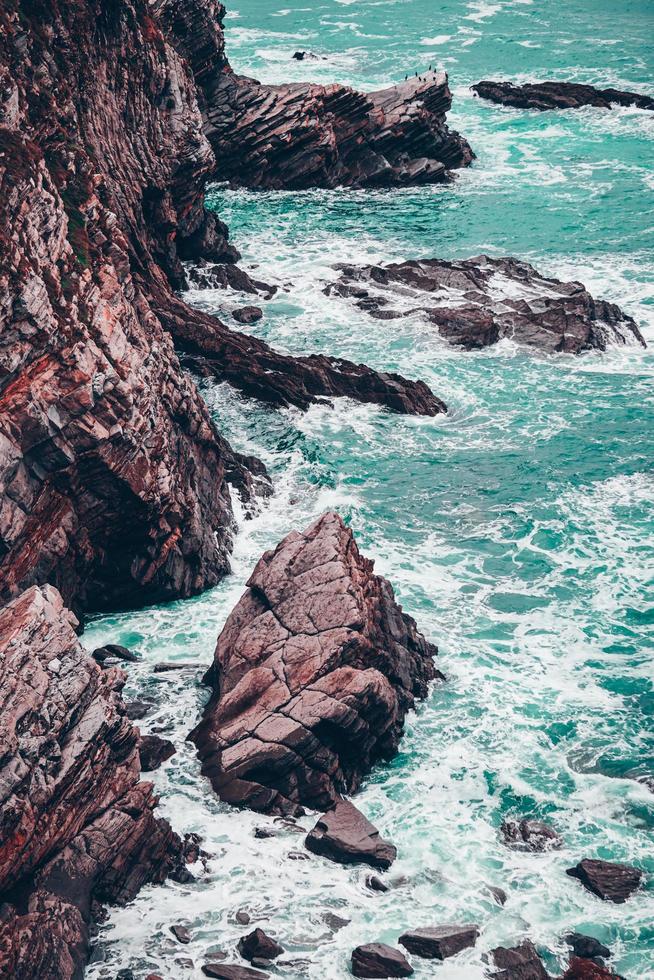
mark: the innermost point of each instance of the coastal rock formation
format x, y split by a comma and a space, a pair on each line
258, 945
587, 947
379, 960
530, 835
558, 95
439, 942
313, 675
475, 302
518, 963
153, 751
609, 881
77, 826
343, 834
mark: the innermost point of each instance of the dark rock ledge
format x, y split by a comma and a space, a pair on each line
77, 827
558, 95
474, 303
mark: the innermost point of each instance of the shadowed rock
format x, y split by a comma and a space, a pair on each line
345, 835
558, 95
609, 881
248, 314
530, 835
583, 969
379, 960
230, 971
153, 751
113, 651
518, 963
439, 942
313, 675
474, 303
181, 934
587, 947
78, 827
258, 945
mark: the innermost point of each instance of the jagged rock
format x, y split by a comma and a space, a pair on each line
137, 709
558, 95
313, 674
475, 302
230, 276
112, 651
181, 934
609, 881
335, 922
587, 947
153, 751
439, 942
375, 884
78, 827
379, 960
307, 56
174, 665
518, 963
530, 835
258, 945
498, 894
583, 969
230, 971
248, 314
343, 834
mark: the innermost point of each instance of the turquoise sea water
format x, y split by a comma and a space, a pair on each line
518, 530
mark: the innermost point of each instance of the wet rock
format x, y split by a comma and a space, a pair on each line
343, 834
307, 56
379, 960
587, 947
335, 922
137, 709
258, 945
230, 971
248, 314
314, 672
375, 884
439, 942
115, 652
125, 975
242, 917
518, 963
229, 276
153, 751
498, 894
610, 882
181, 934
474, 303
530, 835
558, 95
583, 969
78, 826
173, 665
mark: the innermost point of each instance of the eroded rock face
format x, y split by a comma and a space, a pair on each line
558, 95
77, 826
475, 302
345, 835
606, 879
313, 674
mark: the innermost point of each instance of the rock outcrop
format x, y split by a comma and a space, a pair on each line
475, 302
343, 834
530, 835
609, 881
379, 960
313, 675
77, 826
558, 95
439, 942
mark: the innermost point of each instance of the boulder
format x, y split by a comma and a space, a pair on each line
530, 835
498, 894
231, 971
248, 314
343, 834
313, 675
379, 960
558, 95
137, 709
609, 881
518, 963
258, 945
474, 303
154, 750
583, 969
587, 947
181, 934
114, 651
439, 942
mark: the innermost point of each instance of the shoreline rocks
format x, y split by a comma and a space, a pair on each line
474, 303
439, 942
344, 835
379, 960
313, 675
558, 95
609, 881
530, 835
518, 963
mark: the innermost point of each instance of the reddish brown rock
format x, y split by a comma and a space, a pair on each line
439, 942
518, 963
474, 303
230, 971
248, 314
379, 960
530, 835
258, 945
558, 95
77, 826
153, 751
584, 969
314, 672
609, 881
344, 835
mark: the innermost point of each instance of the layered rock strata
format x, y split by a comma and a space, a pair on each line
559, 95
313, 675
77, 827
474, 303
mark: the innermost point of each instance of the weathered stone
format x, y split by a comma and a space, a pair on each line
474, 303
115, 652
558, 95
259, 945
343, 834
173, 665
439, 942
498, 894
181, 934
248, 314
587, 947
609, 881
314, 672
519, 963
530, 835
584, 969
153, 751
230, 971
379, 960
137, 709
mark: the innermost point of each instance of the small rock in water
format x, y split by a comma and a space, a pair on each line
530, 835
587, 947
498, 894
153, 751
247, 314
181, 934
167, 667
125, 975
583, 969
518, 963
345, 835
335, 922
375, 884
439, 942
115, 652
610, 882
258, 945
135, 710
242, 918
229, 971
379, 960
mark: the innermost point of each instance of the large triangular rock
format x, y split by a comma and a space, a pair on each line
345, 835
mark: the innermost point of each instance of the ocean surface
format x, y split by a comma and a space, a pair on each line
518, 530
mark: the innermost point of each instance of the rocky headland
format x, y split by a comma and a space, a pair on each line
558, 95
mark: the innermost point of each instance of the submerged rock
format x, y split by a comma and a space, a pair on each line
558, 95
587, 947
474, 303
248, 314
78, 827
258, 945
609, 881
343, 834
313, 675
439, 942
379, 960
114, 651
181, 934
154, 750
530, 835
518, 963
